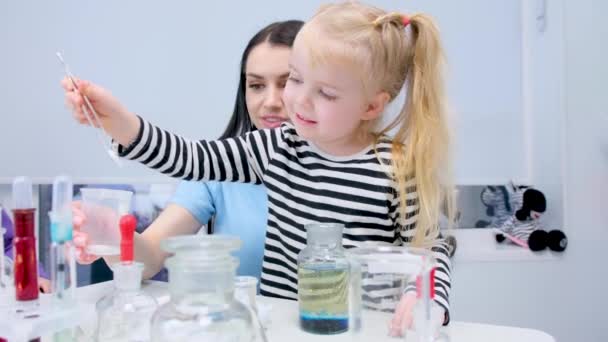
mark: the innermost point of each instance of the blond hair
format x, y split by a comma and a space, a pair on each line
387, 56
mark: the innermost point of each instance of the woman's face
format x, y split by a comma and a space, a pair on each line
266, 72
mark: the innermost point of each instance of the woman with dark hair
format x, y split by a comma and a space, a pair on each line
236, 208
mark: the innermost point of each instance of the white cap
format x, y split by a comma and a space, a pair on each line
62, 193
22, 193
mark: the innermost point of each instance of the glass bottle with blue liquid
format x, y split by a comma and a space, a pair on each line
323, 281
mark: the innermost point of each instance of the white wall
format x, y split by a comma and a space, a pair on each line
567, 297
175, 63
544, 87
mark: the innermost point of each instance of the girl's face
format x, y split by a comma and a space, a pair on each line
326, 103
266, 72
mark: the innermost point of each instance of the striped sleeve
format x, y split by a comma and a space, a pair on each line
241, 159
406, 226
443, 270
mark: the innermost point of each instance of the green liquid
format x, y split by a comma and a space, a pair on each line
323, 299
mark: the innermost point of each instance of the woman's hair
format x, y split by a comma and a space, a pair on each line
389, 51
281, 33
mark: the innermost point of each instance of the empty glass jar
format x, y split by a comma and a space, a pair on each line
201, 285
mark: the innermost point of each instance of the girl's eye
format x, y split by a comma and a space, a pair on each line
328, 96
293, 79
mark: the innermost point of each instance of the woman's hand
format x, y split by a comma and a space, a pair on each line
81, 239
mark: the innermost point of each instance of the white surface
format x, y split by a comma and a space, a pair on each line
479, 245
284, 327
177, 65
42, 320
284, 322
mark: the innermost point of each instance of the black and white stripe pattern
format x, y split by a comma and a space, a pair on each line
497, 197
304, 186
520, 229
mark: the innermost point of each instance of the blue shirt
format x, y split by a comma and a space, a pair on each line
239, 210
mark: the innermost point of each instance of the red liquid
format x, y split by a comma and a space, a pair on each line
26, 269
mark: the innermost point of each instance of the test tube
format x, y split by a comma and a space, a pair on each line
25, 261
63, 275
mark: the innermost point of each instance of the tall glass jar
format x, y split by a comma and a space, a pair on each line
323, 281
201, 286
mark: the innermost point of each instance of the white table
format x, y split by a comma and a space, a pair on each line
284, 327
284, 322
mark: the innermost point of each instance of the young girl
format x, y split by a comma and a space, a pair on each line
238, 209
330, 165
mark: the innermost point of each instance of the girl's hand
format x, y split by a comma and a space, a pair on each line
403, 317
120, 124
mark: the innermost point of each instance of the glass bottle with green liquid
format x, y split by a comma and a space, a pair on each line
323, 281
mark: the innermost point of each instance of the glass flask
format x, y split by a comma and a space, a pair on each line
125, 314
201, 286
245, 291
323, 281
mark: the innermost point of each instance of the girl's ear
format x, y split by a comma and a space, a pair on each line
375, 107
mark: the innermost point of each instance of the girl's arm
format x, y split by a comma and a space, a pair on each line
240, 159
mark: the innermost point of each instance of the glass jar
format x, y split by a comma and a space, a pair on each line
124, 315
380, 277
323, 281
201, 285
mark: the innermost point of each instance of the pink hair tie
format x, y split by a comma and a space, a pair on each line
405, 20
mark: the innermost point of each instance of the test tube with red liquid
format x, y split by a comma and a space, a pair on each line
25, 261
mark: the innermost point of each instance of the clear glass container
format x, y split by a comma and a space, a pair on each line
103, 209
201, 285
125, 314
380, 278
323, 281
245, 291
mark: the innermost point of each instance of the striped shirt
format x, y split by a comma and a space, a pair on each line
304, 186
